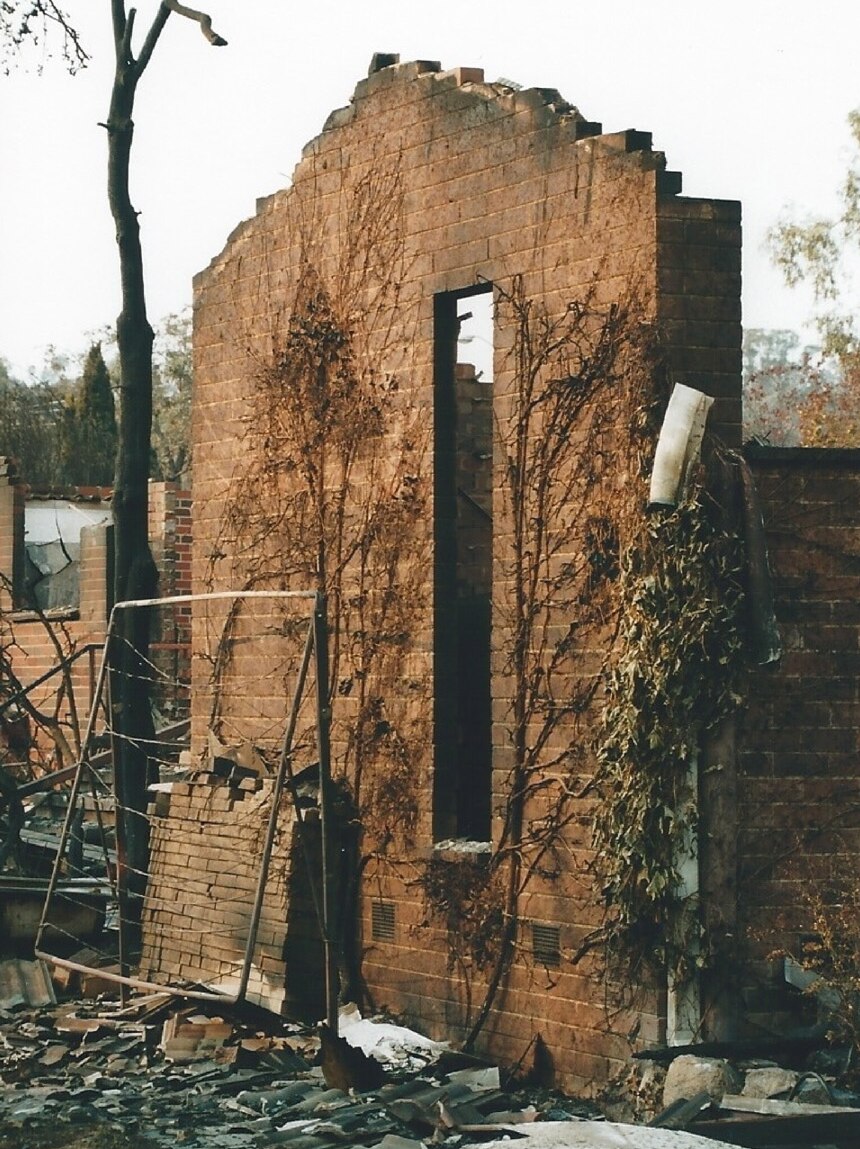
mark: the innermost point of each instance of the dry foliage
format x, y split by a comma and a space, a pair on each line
674, 676
829, 950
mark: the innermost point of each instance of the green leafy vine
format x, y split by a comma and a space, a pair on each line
675, 675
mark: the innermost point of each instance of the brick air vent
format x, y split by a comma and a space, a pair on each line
382, 921
546, 944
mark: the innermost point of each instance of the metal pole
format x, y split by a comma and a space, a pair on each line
210, 596
328, 846
73, 797
119, 822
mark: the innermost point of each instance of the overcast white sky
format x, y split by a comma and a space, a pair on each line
748, 99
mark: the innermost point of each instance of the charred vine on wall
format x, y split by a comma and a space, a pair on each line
333, 496
573, 426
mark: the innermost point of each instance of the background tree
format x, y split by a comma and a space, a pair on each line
819, 253
90, 427
783, 383
30, 22
135, 573
171, 398
40, 418
31, 428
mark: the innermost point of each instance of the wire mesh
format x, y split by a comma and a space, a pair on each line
202, 829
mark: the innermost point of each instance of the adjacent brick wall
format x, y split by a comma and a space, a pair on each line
11, 532
170, 537
799, 769
170, 540
494, 184
34, 654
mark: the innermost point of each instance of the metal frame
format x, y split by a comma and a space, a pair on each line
316, 650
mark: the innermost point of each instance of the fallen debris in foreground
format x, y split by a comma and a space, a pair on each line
163, 1072
177, 1074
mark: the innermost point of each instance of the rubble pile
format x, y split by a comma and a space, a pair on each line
745, 1099
179, 1074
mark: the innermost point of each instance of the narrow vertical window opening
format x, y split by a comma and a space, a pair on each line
463, 534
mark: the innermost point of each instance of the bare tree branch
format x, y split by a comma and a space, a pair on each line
202, 19
152, 36
117, 11
126, 55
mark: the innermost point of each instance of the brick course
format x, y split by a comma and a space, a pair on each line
206, 851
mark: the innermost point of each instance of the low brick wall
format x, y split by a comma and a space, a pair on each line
206, 852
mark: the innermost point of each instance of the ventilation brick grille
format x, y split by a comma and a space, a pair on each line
546, 944
382, 921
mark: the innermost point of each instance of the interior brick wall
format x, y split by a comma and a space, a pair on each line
34, 653
495, 184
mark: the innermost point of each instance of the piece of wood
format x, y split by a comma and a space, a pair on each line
773, 1107
681, 1113
841, 1129
72, 1024
345, 1066
95, 984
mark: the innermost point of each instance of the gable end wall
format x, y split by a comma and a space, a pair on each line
494, 184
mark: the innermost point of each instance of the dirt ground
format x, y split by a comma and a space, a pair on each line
69, 1137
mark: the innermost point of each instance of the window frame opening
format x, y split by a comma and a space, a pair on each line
463, 562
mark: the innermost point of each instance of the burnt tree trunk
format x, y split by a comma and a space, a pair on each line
135, 574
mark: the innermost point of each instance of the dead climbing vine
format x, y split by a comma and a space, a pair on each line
571, 430
332, 496
468, 897
615, 620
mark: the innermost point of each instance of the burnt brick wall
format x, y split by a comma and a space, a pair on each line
206, 854
170, 540
799, 784
492, 184
699, 265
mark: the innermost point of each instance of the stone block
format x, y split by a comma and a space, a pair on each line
769, 1081
689, 1075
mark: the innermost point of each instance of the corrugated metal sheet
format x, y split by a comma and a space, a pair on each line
25, 983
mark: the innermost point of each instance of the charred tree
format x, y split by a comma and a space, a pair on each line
135, 575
